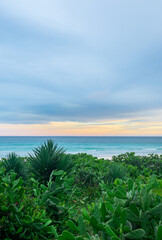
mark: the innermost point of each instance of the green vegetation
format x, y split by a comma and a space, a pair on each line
45, 159
53, 195
16, 163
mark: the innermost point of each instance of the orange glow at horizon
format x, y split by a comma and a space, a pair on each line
110, 128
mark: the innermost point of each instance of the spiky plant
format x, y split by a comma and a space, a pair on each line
116, 170
45, 159
66, 163
16, 163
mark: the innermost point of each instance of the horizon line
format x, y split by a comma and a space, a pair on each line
80, 136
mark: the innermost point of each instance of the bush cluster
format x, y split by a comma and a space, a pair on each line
53, 195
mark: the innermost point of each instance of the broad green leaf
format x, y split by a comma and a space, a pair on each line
4, 208
110, 206
51, 229
54, 232
136, 234
67, 236
85, 214
132, 217
119, 194
118, 200
130, 184
48, 222
27, 219
72, 226
58, 173
110, 193
100, 226
38, 225
114, 238
17, 183
103, 212
134, 209
129, 225
19, 230
58, 190
157, 210
93, 221
118, 181
110, 232
81, 225
159, 233
96, 213
123, 216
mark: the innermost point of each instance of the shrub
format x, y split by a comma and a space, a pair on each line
151, 163
45, 159
66, 163
16, 163
128, 211
86, 178
115, 171
20, 215
89, 170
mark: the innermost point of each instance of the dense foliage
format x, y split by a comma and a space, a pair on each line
47, 158
151, 164
16, 163
53, 195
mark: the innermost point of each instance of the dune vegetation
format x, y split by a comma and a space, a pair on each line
53, 195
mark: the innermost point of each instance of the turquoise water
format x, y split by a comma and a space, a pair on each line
97, 146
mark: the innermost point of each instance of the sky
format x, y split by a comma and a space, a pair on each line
81, 67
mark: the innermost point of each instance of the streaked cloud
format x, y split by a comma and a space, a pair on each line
86, 62
113, 128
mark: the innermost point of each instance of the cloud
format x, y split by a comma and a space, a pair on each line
80, 61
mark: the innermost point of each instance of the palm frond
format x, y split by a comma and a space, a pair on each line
115, 171
45, 159
16, 163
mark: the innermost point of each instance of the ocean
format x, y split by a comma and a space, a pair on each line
100, 147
